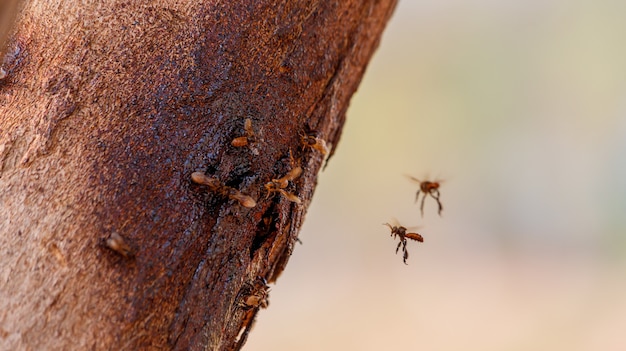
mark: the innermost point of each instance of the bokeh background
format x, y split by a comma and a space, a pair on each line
520, 108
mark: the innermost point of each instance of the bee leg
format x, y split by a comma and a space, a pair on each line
417, 195
435, 195
406, 256
422, 205
398, 247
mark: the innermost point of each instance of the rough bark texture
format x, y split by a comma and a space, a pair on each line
106, 110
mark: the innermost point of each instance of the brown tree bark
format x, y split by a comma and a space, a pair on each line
106, 110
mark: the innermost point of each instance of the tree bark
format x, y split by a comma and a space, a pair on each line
105, 112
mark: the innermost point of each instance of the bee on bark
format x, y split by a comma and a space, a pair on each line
251, 298
217, 187
116, 243
246, 139
314, 142
427, 188
279, 185
254, 295
401, 233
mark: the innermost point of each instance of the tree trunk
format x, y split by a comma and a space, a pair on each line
108, 108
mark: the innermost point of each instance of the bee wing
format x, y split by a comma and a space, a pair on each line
244, 200
436, 179
295, 173
321, 146
289, 196
394, 222
441, 181
411, 178
203, 179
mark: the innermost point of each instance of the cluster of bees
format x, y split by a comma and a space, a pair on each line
254, 295
277, 185
426, 188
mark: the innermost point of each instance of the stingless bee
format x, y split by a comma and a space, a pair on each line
427, 188
251, 298
279, 185
401, 232
246, 139
315, 143
116, 243
254, 295
217, 187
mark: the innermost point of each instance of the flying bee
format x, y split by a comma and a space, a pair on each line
217, 187
315, 143
116, 243
427, 188
246, 139
279, 185
401, 232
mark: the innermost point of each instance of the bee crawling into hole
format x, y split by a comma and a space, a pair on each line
117, 243
216, 186
401, 232
427, 188
279, 185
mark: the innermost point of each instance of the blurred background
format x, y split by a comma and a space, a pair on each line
519, 107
